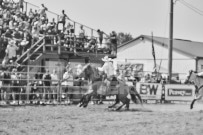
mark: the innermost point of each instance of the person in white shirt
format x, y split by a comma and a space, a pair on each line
11, 50
54, 83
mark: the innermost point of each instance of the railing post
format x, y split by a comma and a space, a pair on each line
92, 33
74, 50
59, 46
26, 8
44, 46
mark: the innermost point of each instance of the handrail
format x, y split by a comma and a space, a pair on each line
25, 53
34, 51
59, 15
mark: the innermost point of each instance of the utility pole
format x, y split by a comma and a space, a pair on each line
170, 47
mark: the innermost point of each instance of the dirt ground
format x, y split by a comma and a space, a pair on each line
152, 119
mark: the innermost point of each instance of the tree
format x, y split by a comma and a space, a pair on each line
124, 37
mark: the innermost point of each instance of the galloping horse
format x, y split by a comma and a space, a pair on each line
193, 77
100, 85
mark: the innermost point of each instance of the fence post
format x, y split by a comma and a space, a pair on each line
28, 76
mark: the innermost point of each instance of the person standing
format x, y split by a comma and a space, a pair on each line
113, 40
54, 82
47, 84
62, 19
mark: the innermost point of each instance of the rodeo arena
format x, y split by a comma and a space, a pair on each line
58, 76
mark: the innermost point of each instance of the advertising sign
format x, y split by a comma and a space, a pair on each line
152, 91
131, 69
179, 92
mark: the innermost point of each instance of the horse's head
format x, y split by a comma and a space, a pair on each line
191, 76
89, 72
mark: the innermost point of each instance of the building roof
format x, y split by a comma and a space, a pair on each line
186, 47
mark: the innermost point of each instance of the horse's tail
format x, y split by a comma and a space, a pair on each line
134, 98
134, 95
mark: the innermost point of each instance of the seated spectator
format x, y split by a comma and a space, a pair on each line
8, 34
91, 45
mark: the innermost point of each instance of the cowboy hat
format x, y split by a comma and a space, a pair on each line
12, 42
106, 58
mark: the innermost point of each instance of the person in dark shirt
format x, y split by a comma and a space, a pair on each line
6, 82
113, 39
47, 84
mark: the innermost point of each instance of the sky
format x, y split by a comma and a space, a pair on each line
137, 17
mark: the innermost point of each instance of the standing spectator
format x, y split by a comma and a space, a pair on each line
67, 82
113, 39
100, 34
6, 82
38, 78
82, 33
47, 84
20, 4
11, 50
31, 15
14, 84
42, 11
62, 18
1, 2
54, 79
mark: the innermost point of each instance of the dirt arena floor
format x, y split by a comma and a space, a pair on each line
152, 119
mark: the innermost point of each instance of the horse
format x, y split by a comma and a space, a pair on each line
197, 80
100, 84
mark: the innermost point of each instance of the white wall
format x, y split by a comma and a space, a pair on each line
141, 52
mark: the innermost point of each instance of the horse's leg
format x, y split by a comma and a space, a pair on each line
191, 106
139, 97
116, 102
81, 101
127, 104
87, 101
198, 98
117, 109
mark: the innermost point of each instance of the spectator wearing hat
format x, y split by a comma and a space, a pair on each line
11, 50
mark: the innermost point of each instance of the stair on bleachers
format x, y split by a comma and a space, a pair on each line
33, 53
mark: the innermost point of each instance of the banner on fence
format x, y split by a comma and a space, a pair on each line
179, 92
149, 90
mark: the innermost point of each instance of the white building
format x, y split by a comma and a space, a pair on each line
187, 55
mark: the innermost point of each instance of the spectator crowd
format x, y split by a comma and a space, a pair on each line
20, 29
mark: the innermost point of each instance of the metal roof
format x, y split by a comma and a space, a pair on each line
190, 48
